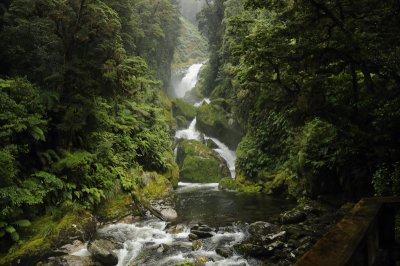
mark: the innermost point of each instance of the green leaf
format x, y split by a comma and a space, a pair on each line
77, 194
10, 229
22, 223
37, 133
15, 236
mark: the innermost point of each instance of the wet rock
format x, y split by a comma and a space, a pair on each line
262, 228
205, 228
201, 234
211, 144
249, 249
163, 248
275, 245
193, 237
71, 248
102, 251
295, 231
176, 229
197, 244
224, 252
293, 216
69, 260
201, 260
169, 214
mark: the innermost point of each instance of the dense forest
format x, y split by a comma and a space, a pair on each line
316, 86
308, 90
82, 111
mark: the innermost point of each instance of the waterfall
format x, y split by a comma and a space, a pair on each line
189, 133
188, 81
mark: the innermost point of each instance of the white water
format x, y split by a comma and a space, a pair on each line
143, 243
189, 81
189, 133
205, 100
226, 153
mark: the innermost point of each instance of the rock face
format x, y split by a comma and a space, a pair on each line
102, 251
215, 121
200, 164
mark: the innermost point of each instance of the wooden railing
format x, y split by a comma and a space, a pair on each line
365, 236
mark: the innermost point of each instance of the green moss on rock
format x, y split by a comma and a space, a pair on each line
115, 208
156, 187
200, 164
182, 108
215, 121
47, 233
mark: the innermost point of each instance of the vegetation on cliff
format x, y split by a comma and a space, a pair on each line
315, 85
82, 111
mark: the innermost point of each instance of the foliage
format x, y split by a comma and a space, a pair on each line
315, 84
81, 107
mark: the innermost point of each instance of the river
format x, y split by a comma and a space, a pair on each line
227, 213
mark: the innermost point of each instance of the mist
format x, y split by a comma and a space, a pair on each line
189, 9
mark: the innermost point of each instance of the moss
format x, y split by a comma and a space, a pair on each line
200, 170
181, 122
198, 163
227, 183
166, 104
215, 121
172, 172
157, 187
181, 108
45, 234
115, 208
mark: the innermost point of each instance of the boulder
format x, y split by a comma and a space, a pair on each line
183, 109
293, 216
216, 122
224, 251
200, 164
197, 244
176, 229
169, 214
69, 260
201, 234
193, 237
262, 229
102, 251
248, 249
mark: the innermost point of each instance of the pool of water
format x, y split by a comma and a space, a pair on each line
204, 203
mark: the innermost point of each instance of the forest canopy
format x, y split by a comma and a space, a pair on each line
82, 110
316, 85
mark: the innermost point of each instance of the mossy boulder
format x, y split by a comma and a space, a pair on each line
184, 109
200, 164
215, 121
47, 233
156, 186
116, 208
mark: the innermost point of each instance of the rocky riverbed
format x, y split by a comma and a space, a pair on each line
279, 240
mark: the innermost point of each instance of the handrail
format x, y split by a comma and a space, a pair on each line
365, 236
